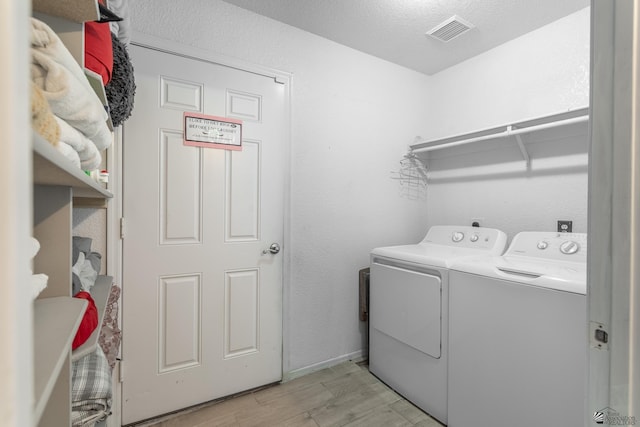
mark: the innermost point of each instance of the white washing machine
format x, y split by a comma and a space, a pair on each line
408, 309
518, 334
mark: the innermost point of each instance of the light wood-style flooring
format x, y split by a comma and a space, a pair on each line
342, 395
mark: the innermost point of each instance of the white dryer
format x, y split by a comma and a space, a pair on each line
408, 311
518, 334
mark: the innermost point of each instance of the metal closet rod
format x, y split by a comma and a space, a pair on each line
415, 148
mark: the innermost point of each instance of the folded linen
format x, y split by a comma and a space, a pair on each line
64, 85
85, 272
42, 120
91, 393
110, 333
38, 282
98, 52
88, 153
68, 151
33, 247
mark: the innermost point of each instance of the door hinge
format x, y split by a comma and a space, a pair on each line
123, 228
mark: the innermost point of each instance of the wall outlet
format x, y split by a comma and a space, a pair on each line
565, 226
477, 222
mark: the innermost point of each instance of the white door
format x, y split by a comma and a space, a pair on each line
202, 303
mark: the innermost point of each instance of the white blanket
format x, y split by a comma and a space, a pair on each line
88, 153
62, 80
68, 151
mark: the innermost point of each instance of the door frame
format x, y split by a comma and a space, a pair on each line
613, 214
16, 303
115, 162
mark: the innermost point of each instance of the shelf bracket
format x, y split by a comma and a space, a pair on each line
523, 150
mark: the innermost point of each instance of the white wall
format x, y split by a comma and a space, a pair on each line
541, 73
353, 117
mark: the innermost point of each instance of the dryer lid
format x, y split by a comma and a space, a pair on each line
426, 254
445, 243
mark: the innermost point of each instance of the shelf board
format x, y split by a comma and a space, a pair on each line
51, 168
565, 118
83, 202
95, 81
100, 294
73, 10
56, 321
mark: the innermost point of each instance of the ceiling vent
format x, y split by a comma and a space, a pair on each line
450, 29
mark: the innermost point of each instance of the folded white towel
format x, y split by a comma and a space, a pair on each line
64, 85
33, 247
71, 154
88, 153
38, 283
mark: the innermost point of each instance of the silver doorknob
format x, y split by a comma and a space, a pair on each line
274, 249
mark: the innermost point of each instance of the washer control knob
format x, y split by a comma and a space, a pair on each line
457, 236
542, 245
474, 238
569, 247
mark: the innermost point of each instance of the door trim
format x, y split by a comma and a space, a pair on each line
614, 175
179, 49
280, 77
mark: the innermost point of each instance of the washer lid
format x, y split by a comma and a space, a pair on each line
559, 275
538, 258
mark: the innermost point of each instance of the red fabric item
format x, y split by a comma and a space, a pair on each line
98, 50
89, 321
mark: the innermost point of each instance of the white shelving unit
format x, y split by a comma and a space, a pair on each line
56, 314
512, 130
52, 168
57, 185
78, 11
55, 323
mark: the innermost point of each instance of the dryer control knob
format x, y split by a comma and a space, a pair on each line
569, 247
474, 238
543, 245
457, 236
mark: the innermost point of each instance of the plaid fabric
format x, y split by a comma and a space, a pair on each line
91, 389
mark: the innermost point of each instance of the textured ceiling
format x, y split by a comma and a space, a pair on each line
394, 30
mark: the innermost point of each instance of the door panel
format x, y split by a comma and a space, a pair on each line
202, 304
242, 190
180, 338
242, 305
180, 191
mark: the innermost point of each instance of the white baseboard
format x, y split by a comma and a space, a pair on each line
356, 356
